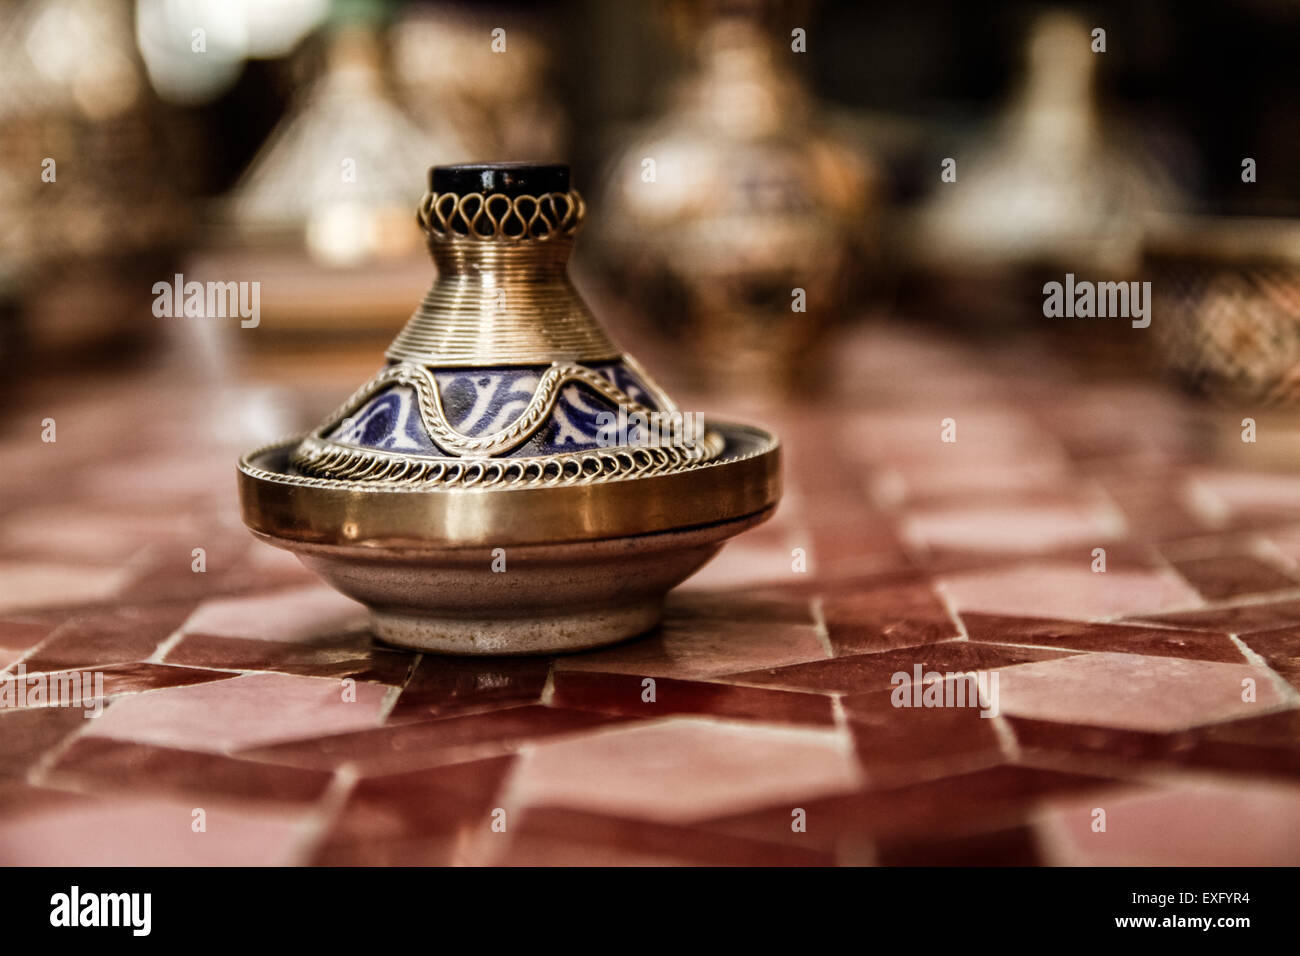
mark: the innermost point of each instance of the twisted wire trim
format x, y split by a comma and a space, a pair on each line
325, 462
496, 217
516, 433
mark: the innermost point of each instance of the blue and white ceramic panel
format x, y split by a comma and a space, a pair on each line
483, 401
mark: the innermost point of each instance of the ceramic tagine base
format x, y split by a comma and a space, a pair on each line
484, 492
427, 589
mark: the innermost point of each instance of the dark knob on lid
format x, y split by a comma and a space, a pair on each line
512, 179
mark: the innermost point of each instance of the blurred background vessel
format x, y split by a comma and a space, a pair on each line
736, 222
754, 158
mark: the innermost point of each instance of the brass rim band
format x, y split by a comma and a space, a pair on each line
744, 480
318, 457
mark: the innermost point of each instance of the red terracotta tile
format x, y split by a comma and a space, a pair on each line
1280, 649
27, 735
1144, 745
80, 689
844, 543
1241, 619
151, 832
989, 434
1285, 541
1017, 526
18, 799
1229, 576
1072, 591
296, 614
408, 746
703, 648
1122, 638
677, 770
1276, 730
1154, 506
1133, 692
769, 605
745, 562
100, 765
927, 486
455, 801
22, 633
409, 850
264, 569
166, 571
349, 655
114, 636
886, 617
1246, 495
33, 585
448, 685
553, 836
57, 531
625, 695
989, 800
1196, 824
1120, 556
898, 745
242, 712
856, 673
1268, 745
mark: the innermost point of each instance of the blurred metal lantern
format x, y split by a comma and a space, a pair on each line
737, 219
91, 170
1226, 313
1048, 193
488, 85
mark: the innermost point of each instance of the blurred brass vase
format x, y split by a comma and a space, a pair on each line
510, 481
737, 220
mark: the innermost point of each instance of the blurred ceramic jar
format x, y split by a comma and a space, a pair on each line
333, 177
1057, 188
736, 221
321, 217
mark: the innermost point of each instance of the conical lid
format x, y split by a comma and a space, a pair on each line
502, 375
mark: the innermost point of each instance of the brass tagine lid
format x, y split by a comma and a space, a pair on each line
504, 419
503, 376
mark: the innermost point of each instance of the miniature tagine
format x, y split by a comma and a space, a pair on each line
509, 482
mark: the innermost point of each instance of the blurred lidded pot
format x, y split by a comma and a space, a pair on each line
322, 213
510, 481
1059, 187
738, 219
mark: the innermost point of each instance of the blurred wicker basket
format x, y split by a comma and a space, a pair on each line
1226, 306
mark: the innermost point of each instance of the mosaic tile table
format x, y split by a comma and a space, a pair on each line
1125, 691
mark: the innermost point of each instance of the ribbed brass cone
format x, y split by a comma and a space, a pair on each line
501, 302
501, 237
